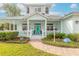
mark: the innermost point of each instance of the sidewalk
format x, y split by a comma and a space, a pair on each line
55, 50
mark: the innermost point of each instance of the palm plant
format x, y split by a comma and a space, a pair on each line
11, 9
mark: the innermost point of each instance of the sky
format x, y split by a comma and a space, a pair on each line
56, 9
64, 8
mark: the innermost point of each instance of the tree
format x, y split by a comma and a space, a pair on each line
11, 9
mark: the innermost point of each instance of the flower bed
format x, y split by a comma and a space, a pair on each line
59, 41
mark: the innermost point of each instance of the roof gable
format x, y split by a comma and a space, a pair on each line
71, 14
36, 16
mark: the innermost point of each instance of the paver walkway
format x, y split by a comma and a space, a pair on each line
55, 50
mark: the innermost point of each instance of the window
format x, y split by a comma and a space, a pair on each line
6, 26
1, 26
27, 10
46, 10
49, 27
77, 22
24, 26
11, 26
15, 27
37, 9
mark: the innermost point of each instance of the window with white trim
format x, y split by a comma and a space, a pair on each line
8, 26
49, 27
77, 22
47, 10
24, 26
27, 9
37, 9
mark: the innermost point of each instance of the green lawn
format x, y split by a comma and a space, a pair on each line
61, 43
13, 49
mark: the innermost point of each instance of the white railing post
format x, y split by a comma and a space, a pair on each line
30, 33
42, 33
28, 28
45, 32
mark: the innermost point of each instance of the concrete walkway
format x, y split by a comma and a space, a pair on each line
55, 50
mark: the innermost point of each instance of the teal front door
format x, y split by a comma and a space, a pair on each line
37, 30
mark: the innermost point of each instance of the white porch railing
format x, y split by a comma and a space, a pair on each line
43, 33
30, 33
23, 33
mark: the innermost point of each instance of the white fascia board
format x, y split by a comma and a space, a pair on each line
16, 17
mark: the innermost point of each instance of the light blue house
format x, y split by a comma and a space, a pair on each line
38, 22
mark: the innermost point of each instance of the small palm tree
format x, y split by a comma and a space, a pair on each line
11, 9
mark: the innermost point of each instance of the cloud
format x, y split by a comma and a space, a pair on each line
73, 6
2, 11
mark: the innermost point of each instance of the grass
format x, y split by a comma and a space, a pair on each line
62, 44
14, 49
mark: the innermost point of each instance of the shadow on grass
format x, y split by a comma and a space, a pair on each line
16, 41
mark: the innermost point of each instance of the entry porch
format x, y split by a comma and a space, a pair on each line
39, 28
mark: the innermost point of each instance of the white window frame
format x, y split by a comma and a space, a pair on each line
51, 25
37, 9
24, 25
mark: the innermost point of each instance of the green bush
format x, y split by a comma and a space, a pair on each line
58, 35
2, 36
8, 35
77, 36
61, 35
49, 36
72, 37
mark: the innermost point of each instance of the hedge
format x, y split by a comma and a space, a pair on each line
72, 36
58, 35
4, 36
61, 35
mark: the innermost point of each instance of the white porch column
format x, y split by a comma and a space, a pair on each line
27, 27
45, 27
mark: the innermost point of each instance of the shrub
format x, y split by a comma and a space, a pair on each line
49, 36
72, 37
2, 36
76, 36
58, 35
8, 35
61, 35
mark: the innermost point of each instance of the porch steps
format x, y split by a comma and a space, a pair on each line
36, 37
